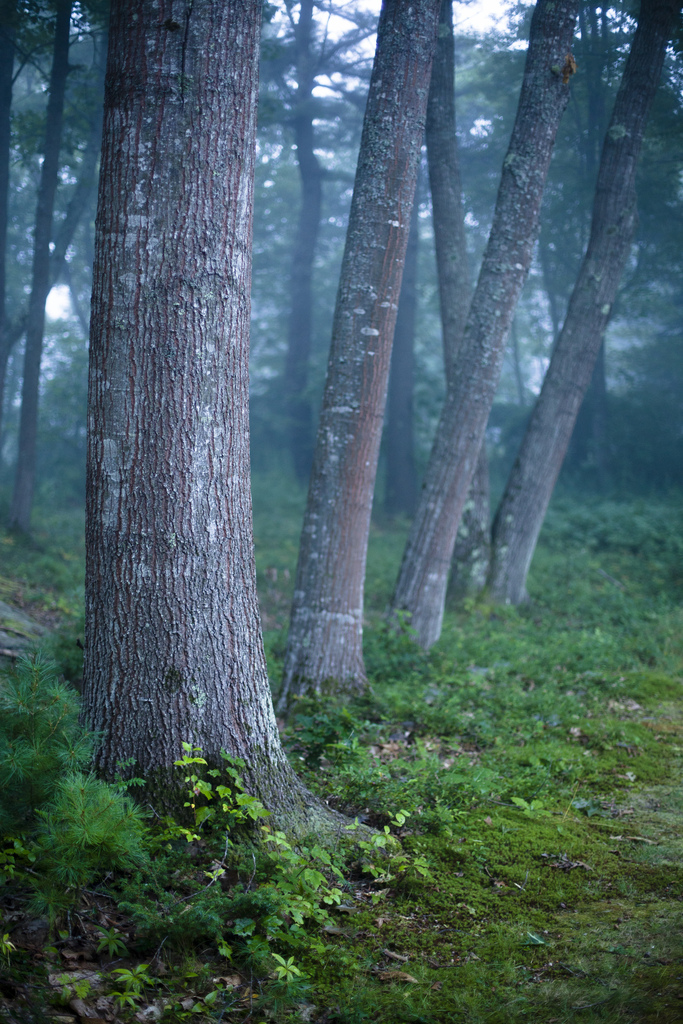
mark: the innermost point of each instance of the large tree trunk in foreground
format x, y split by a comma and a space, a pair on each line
470, 555
24, 483
297, 399
400, 495
325, 637
422, 581
530, 486
173, 639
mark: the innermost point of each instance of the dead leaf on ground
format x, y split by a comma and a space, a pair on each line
83, 1010
231, 980
397, 976
395, 956
634, 839
437, 986
563, 863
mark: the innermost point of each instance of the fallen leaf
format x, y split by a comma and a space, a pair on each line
488, 820
634, 839
149, 1013
395, 956
397, 976
437, 986
83, 1010
231, 980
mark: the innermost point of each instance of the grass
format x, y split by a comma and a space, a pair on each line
536, 755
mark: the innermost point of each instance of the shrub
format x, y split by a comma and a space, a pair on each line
40, 740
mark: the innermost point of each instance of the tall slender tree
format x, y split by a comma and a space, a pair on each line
298, 399
7, 28
470, 556
325, 637
400, 490
423, 577
522, 510
22, 497
173, 646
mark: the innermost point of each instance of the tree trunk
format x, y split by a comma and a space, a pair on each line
173, 647
6, 70
472, 551
455, 291
325, 638
470, 555
297, 399
400, 497
421, 585
24, 483
527, 495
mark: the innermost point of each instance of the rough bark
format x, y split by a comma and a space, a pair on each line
527, 495
298, 402
325, 638
472, 551
24, 483
400, 495
470, 555
6, 70
422, 581
173, 646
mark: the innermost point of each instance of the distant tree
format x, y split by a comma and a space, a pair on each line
24, 484
423, 577
522, 510
294, 63
299, 409
470, 556
326, 628
173, 648
7, 30
400, 487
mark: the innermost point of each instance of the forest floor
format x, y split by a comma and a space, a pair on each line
528, 768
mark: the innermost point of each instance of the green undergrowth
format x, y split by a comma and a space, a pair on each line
523, 779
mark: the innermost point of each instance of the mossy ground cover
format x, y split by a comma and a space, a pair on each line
530, 768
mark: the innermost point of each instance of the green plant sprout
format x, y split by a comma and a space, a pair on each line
286, 970
135, 980
6, 947
111, 942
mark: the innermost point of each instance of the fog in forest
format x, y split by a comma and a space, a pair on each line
341, 511
627, 440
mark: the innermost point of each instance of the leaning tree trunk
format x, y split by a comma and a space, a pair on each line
422, 581
24, 483
470, 556
173, 646
297, 400
400, 495
325, 637
530, 485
